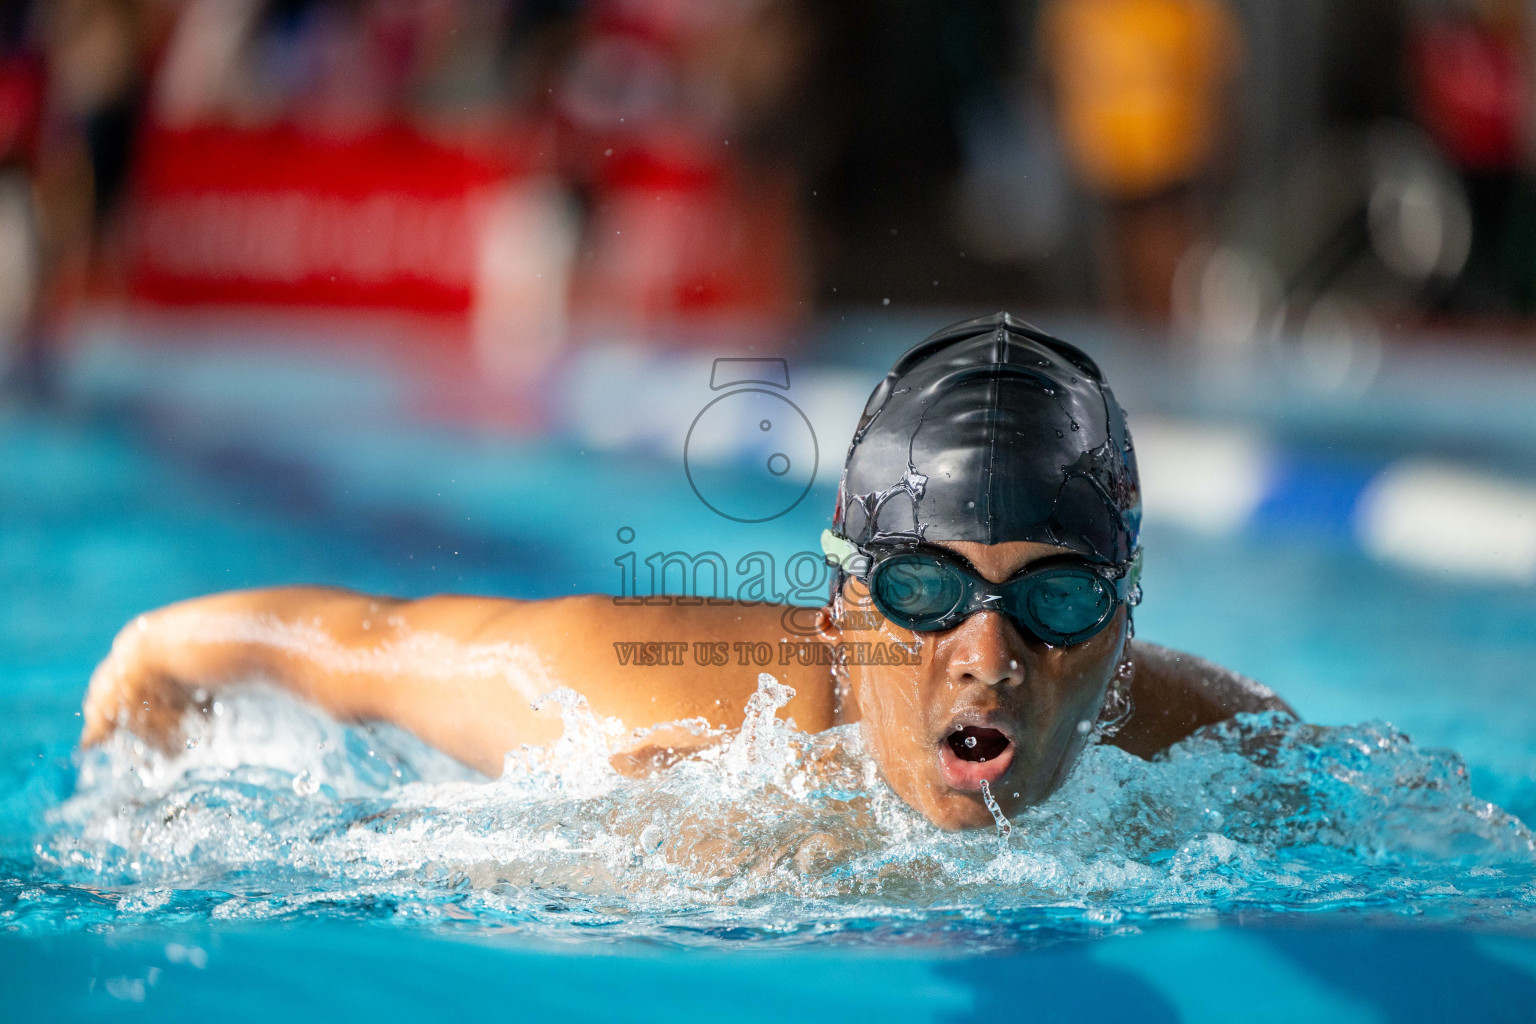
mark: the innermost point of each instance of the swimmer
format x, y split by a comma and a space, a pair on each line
986, 535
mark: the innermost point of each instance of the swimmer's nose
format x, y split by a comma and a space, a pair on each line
984, 651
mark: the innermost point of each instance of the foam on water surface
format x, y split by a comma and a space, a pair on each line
767, 834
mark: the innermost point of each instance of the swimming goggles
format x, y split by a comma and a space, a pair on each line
926, 589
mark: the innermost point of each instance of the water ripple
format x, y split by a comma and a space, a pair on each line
770, 835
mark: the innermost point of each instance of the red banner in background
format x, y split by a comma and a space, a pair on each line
395, 221
1471, 88
275, 215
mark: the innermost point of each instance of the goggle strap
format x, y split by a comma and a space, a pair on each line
840, 552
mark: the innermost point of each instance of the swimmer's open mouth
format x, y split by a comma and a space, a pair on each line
973, 754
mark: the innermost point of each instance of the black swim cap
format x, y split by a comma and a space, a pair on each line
990, 431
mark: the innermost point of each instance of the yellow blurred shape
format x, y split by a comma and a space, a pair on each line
1138, 87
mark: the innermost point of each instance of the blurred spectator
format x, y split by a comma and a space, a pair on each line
669, 111
379, 154
21, 101
1470, 69
72, 74
1140, 88
518, 174
97, 58
535, 169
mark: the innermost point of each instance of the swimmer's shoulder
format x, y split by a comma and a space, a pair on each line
1174, 693
655, 661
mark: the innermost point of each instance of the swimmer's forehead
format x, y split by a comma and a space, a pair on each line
998, 562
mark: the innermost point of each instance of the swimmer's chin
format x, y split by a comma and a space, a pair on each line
958, 812
971, 749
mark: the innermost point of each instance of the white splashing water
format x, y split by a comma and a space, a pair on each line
1004, 826
769, 832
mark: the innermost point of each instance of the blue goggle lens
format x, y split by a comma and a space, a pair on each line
925, 593
1068, 602
917, 592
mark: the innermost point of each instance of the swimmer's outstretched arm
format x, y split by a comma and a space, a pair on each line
354, 656
1173, 694
462, 673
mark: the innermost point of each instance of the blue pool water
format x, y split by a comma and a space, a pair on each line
1372, 866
